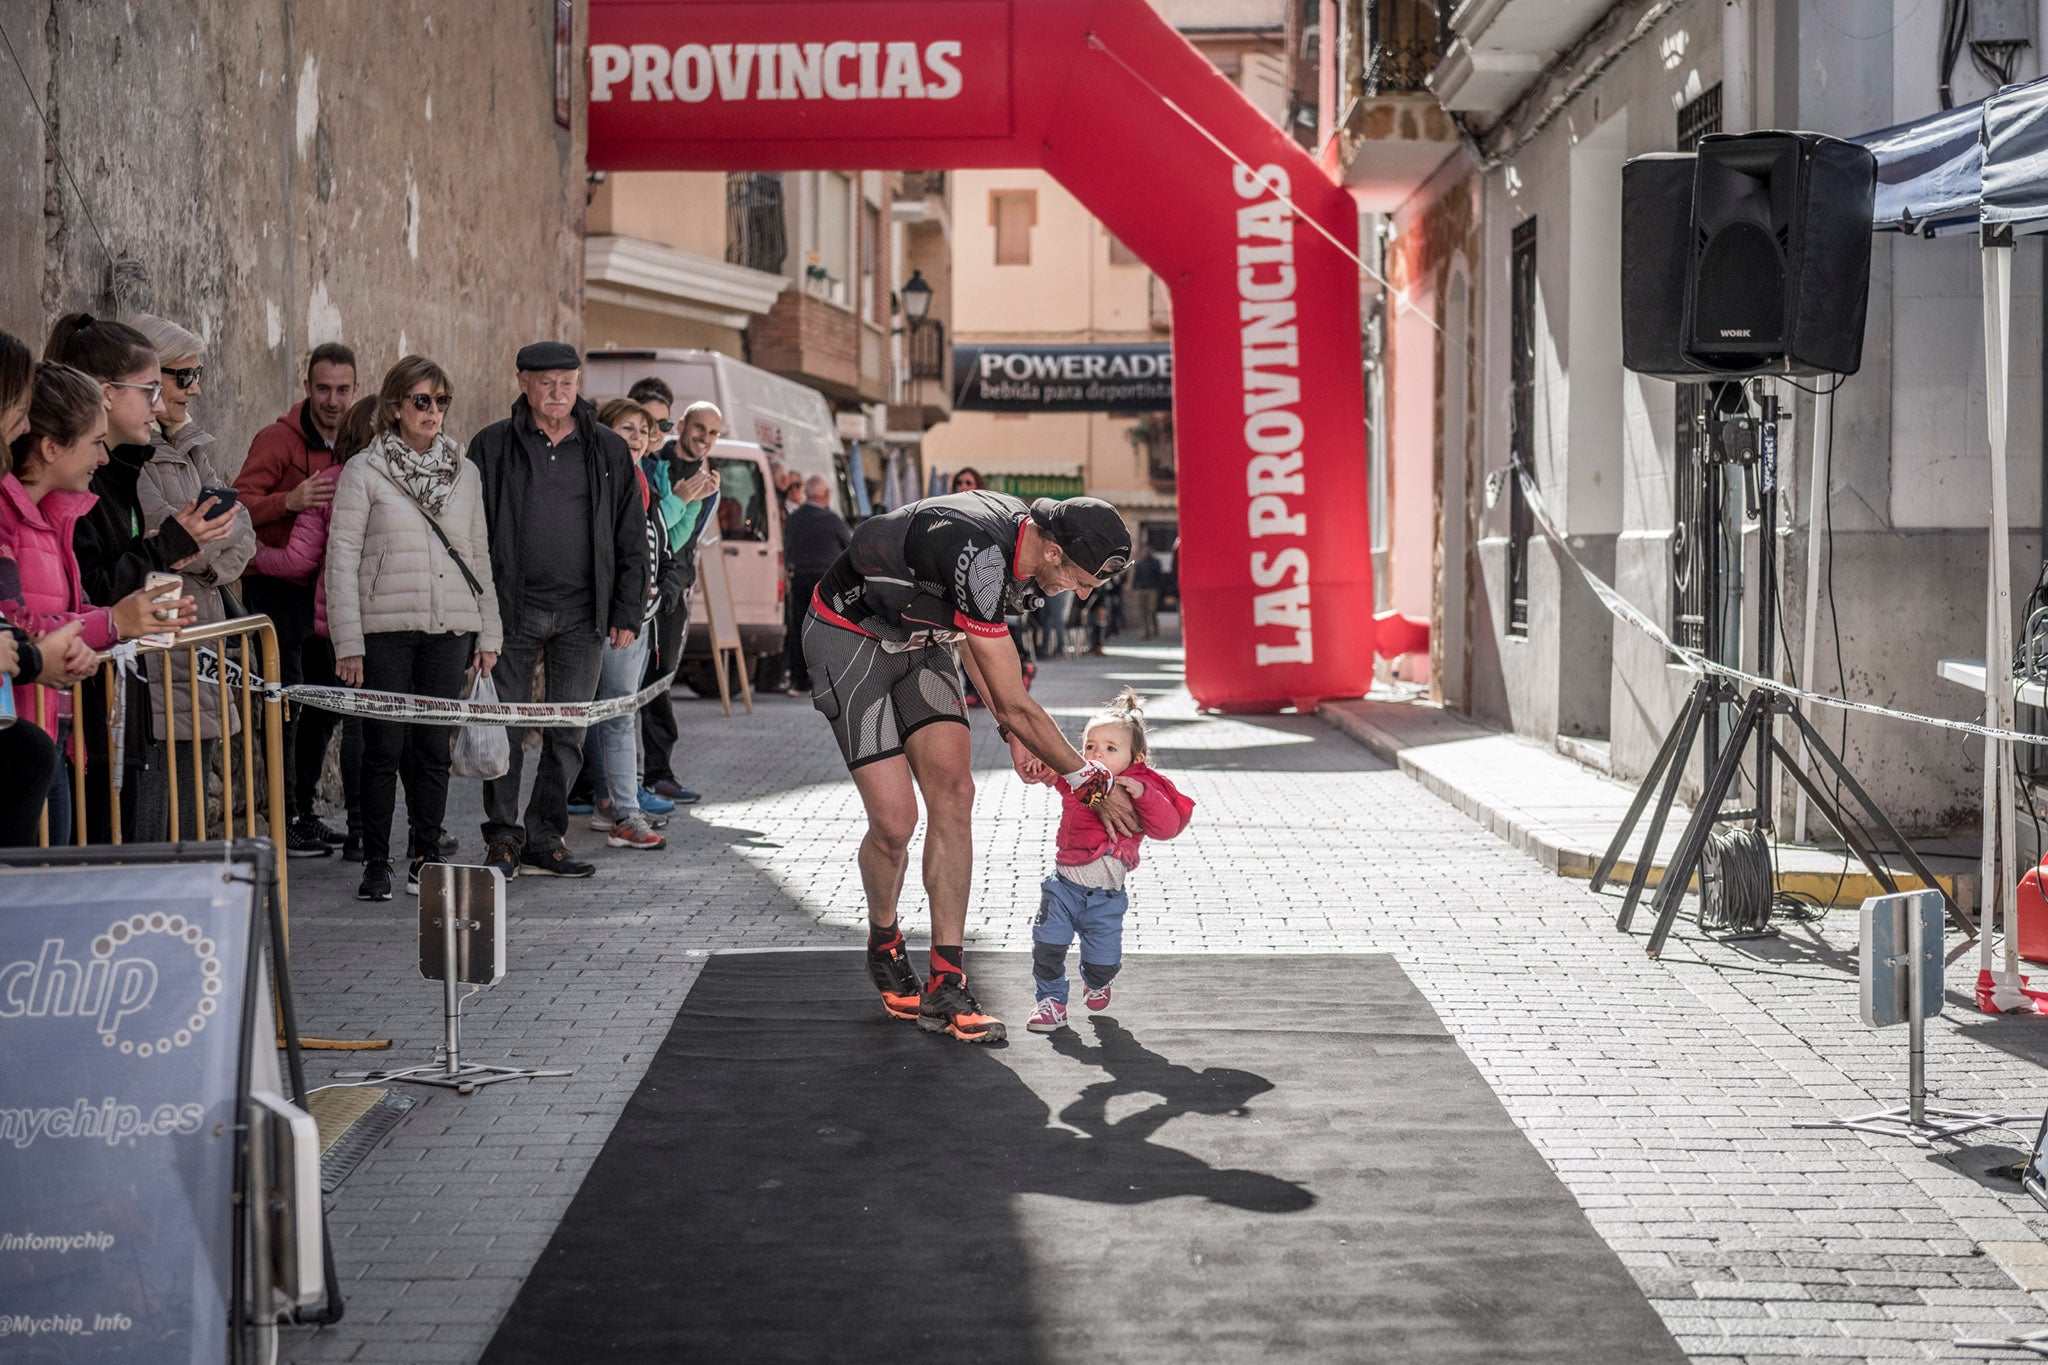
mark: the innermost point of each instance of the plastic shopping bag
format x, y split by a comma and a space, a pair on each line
481, 750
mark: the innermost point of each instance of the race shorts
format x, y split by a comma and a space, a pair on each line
876, 699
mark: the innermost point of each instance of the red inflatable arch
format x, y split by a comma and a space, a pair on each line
1268, 407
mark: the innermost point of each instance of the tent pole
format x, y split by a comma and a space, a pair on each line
1997, 866
1817, 493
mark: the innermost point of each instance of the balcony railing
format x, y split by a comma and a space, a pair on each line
1403, 40
754, 233
928, 349
923, 184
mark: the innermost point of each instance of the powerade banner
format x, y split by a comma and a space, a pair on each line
1130, 378
121, 993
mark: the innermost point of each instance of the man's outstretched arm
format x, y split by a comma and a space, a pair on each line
999, 679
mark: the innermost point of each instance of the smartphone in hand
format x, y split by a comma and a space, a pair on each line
165, 588
223, 499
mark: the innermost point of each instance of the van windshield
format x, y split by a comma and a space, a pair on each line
742, 499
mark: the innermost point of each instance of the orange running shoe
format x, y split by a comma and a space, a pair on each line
896, 979
948, 1008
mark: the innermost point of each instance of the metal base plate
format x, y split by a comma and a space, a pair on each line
463, 1080
1935, 1123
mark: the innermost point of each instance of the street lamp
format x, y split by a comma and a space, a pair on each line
917, 298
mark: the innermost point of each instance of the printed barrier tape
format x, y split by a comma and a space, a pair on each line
412, 708
1623, 609
402, 706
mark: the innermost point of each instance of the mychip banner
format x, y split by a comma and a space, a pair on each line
121, 1032
1104, 377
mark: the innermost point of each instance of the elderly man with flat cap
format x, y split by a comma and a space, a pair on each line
883, 643
569, 557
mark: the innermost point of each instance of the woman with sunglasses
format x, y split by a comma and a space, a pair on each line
181, 466
410, 607
119, 547
966, 479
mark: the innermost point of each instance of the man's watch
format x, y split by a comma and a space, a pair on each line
1003, 732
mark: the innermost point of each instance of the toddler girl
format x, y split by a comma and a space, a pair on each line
1084, 897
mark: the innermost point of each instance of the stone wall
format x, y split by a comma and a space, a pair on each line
278, 173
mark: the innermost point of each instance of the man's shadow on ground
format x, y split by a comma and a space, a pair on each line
1135, 1070
849, 1165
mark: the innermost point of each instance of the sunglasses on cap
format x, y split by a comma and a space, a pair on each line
185, 376
423, 401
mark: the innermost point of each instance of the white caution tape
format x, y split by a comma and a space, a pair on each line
1623, 609
418, 710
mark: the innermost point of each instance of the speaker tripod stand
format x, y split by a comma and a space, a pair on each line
1753, 725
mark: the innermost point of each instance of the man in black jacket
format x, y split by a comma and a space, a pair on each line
812, 540
569, 556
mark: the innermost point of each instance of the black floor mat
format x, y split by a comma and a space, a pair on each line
1242, 1158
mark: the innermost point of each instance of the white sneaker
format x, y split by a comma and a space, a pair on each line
1047, 1016
601, 816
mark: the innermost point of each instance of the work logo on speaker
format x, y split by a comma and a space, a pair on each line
121, 1013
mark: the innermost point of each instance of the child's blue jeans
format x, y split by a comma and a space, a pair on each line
1067, 912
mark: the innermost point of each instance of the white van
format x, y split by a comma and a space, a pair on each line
789, 420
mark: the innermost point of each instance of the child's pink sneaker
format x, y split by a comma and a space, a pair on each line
1097, 997
1048, 1016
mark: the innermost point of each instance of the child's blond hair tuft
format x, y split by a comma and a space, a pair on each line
1127, 709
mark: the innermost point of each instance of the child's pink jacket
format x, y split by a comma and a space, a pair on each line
1162, 813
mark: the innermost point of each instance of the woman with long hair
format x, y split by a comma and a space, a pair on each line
410, 603
118, 549
42, 498
26, 753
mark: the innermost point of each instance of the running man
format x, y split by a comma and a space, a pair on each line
882, 643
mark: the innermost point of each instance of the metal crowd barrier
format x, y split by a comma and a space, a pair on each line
203, 649
242, 691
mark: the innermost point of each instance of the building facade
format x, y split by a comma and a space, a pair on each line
801, 274
1032, 267
1502, 324
258, 172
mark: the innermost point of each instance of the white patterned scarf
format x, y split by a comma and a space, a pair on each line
428, 475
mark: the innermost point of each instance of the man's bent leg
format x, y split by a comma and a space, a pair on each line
940, 754
891, 804
942, 759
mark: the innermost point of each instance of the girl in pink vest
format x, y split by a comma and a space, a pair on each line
1084, 898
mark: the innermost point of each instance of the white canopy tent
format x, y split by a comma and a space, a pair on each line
1983, 167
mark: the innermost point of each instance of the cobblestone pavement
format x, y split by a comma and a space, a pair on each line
1672, 1097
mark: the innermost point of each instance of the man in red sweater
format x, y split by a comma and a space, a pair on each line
277, 483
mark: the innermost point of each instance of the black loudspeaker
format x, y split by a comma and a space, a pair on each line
1778, 278
1656, 243
1752, 257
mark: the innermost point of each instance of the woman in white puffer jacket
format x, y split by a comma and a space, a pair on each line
406, 612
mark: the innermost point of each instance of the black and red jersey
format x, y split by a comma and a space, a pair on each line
933, 570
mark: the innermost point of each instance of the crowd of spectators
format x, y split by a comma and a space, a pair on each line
559, 541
